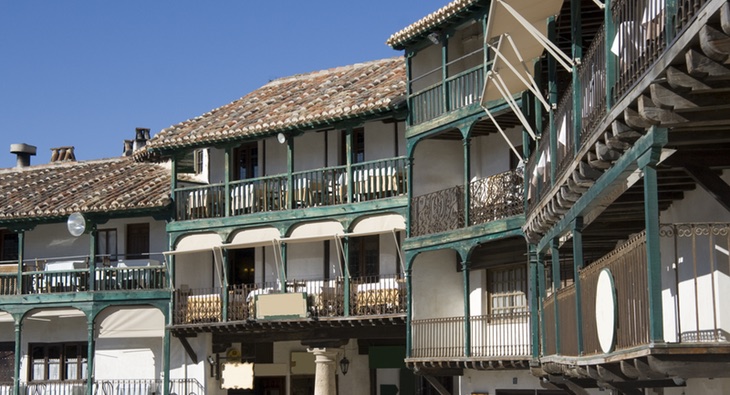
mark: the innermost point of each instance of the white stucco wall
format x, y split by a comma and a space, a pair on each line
681, 308
431, 175
438, 289
491, 154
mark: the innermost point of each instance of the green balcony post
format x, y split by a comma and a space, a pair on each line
444, 73
534, 302
648, 163
542, 293
577, 266
467, 308
227, 163
289, 170
18, 355
348, 162
670, 18
224, 286
283, 275
92, 257
610, 32
166, 357
553, 100
346, 264
467, 178
21, 258
409, 304
555, 261
577, 46
90, 355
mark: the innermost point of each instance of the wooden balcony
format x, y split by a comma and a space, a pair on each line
493, 337
453, 93
493, 198
368, 296
73, 274
695, 261
363, 182
106, 387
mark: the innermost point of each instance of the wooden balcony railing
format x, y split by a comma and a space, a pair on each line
641, 32
492, 336
369, 181
377, 295
492, 198
73, 274
106, 387
460, 90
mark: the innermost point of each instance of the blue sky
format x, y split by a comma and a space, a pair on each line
86, 73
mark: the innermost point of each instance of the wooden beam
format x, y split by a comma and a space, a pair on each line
188, 349
712, 183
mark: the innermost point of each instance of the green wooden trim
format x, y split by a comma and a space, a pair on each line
173, 175
289, 170
553, 100
444, 60
542, 294
467, 178
93, 233
21, 258
166, 362
90, 356
670, 10
224, 286
18, 352
467, 238
467, 308
409, 308
653, 248
409, 194
346, 264
577, 47
555, 261
612, 178
577, 265
610, 32
227, 177
534, 302
348, 162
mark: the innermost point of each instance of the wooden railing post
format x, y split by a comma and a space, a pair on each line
577, 265
555, 257
467, 307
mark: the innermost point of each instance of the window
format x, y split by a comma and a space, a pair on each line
138, 241
364, 256
246, 161
198, 160
241, 266
506, 289
106, 243
7, 362
57, 361
8, 246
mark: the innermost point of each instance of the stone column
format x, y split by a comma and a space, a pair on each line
326, 367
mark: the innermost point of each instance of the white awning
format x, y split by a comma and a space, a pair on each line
378, 224
250, 238
129, 322
196, 243
315, 231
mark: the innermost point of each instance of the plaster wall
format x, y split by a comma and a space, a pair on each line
216, 168
488, 382
490, 154
425, 67
53, 240
695, 281
182, 367
196, 270
438, 289
431, 175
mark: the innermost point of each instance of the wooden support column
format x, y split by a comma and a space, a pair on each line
90, 354
577, 47
289, 170
283, 277
467, 307
577, 265
92, 256
467, 180
227, 164
224, 286
555, 260
610, 32
553, 101
444, 71
348, 162
534, 302
166, 356
409, 189
542, 293
346, 264
21, 258
18, 351
409, 305
647, 163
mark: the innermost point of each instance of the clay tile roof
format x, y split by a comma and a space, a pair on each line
56, 190
290, 103
431, 21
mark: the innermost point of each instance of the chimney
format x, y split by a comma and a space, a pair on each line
127, 151
140, 138
62, 154
23, 152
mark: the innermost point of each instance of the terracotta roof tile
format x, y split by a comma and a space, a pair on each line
429, 22
299, 101
59, 189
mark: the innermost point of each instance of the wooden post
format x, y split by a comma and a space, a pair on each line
348, 162
409, 305
555, 257
289, 170
467, 179
166, 357
18, 351
21, 257
224, 286
227, 164
541, 294
535, 300
92, 257
90, 355
346, 264
467, 307
577, 265
553, 100
577, 46
610, 32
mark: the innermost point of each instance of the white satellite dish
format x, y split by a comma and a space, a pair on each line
76, 224
281, 137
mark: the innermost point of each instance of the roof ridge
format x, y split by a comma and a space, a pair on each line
316, 73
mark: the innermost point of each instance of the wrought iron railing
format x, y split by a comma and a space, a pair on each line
496, 197
492, 335
592, 76
373, 295
492, 198
107, 387
371, 180
565, 131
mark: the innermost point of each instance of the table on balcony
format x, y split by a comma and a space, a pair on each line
378, 182
55, 280
379, 297
203, 308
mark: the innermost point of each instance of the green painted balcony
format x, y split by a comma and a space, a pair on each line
361, 182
